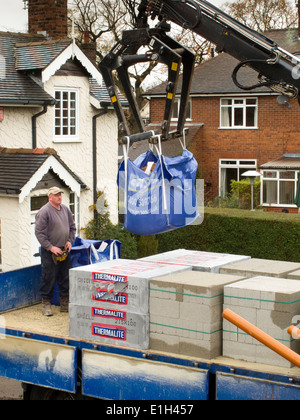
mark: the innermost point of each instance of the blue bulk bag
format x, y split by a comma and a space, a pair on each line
162, 200
87, 251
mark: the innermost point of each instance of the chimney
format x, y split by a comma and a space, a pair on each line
88, 47
48, 17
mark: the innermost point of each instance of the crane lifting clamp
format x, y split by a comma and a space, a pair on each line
162, 49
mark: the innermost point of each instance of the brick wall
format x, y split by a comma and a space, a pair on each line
278, 133
49, 16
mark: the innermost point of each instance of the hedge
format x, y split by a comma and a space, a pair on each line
258, 234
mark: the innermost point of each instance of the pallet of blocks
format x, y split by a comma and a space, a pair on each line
271, 304
259, 267
109, 301
197, 260
186, 313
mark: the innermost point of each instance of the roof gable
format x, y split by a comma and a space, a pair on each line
22, 56
38, 55
22, 169
71, 51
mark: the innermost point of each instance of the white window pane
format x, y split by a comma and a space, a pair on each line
226, 117
286, 192
270, 192
66, 113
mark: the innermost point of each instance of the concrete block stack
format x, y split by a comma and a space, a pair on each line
294, 275
260, 267
186, 313
109, 302
270, 304
197, 260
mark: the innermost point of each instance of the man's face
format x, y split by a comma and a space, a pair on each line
55, 199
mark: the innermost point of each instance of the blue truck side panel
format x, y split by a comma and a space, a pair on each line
19, 288
124, 378
41, 363
235, 387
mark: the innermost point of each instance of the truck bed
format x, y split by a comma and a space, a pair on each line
32, 321
39, 351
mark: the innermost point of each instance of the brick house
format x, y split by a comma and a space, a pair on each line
233, 130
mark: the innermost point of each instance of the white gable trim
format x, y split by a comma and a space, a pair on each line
70, 52
59, 169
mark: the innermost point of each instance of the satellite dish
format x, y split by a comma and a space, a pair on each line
283, 100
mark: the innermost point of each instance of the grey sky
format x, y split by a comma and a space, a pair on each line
14, 18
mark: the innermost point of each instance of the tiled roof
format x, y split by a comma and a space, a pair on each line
287, 161
214, 76
24, 54
17, 87
38, 55
17, 166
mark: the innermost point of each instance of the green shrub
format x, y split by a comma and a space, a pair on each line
147, 245
241, 192
256, 234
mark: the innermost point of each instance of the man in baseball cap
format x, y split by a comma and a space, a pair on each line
55, 230
54, 191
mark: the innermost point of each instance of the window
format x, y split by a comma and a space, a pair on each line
66, 114
74, 207
176, 110
279, 187
233, 169
238, 113
36, 203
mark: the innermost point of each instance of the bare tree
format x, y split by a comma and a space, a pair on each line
263, 15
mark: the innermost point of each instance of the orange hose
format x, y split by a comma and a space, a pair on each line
262, 337
294, 332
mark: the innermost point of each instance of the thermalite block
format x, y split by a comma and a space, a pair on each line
111, 326
197, 260
260, 267
186, 313
272, 305
209, 347
122, 283
295, 275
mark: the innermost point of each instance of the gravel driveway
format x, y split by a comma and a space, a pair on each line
10, 390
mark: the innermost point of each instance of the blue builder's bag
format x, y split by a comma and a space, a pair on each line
86, 251
159, 191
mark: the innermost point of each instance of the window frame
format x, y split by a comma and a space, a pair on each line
278, 180
239, 165
65, 138
74, 206
234, 106
177, 104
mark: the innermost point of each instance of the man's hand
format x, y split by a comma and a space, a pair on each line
68, 246
56, 251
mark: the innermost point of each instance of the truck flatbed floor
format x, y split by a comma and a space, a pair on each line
31, 320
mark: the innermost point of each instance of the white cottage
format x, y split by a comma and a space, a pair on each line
51, 97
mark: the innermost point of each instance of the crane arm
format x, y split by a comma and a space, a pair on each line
277, 68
